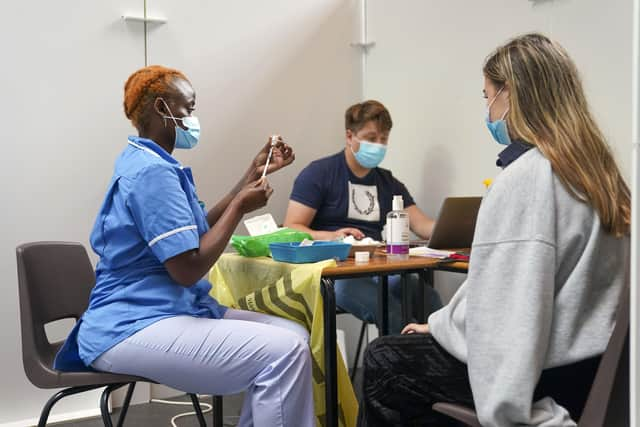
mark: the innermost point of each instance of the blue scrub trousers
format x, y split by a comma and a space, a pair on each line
360, 298
265, 356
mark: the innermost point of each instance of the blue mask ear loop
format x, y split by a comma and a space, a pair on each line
359, 142
351, 148
491, 103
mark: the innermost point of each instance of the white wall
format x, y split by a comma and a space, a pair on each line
426, 67
262, 67
258, 68
61, 121
281, 66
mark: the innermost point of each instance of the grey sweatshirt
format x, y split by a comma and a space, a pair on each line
542, 290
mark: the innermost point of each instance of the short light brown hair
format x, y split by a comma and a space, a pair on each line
358, 115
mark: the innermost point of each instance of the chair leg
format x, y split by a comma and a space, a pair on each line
198, 410
358, 349
104, 403
46, 410
217, 411
125, 405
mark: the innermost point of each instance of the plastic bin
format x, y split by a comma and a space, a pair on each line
294, 253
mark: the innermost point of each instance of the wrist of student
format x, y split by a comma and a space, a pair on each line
326, 235
315, 235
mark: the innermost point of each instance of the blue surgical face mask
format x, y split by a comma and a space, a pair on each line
498, 128
370, 154
188, 138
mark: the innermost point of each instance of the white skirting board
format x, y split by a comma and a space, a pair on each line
634, 343
142, 394
94, 412
342, 345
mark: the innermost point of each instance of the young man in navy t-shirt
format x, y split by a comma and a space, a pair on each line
348, 194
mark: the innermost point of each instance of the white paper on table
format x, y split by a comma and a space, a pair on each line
306, 242
261, 224
367, 241
429, 253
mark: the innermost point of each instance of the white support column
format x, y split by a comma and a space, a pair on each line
364, 44
634, 402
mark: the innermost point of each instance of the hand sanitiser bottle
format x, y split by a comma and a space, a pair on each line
397, 231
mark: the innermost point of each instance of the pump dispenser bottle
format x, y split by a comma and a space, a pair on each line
397, 231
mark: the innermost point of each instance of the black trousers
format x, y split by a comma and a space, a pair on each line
404, 375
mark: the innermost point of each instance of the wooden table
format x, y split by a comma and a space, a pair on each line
378, 265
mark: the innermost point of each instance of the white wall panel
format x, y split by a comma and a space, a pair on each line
63, 68
426, 67
260, 68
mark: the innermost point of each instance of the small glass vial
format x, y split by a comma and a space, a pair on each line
397, 231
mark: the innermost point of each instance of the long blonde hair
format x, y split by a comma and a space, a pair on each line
547, 108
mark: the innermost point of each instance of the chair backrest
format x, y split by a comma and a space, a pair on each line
54, 282
609, 395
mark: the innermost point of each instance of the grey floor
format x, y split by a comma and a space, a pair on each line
159, 414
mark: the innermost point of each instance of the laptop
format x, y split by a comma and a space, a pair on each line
456, 223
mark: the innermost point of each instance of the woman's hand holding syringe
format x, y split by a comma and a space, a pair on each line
272, 157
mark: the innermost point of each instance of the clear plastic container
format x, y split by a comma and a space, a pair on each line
397, 231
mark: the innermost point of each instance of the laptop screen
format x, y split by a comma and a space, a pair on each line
456, 223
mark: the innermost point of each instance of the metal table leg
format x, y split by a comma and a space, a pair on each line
383, 306
217, 411
407, 305
426, 279
330, 361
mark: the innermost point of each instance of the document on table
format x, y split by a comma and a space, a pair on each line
430, 253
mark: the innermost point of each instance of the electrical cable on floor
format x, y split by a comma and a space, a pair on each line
206, 408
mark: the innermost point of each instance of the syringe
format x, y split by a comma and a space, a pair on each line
274, 141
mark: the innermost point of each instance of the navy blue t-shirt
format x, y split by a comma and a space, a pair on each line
341, 199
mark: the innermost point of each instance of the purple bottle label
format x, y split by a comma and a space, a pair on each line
398, 249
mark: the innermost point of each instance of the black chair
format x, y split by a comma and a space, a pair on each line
608, 401
54, 282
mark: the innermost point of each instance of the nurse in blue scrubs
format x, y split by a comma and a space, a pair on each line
150, 313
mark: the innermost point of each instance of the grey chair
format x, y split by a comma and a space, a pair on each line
608, 401
54, 282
